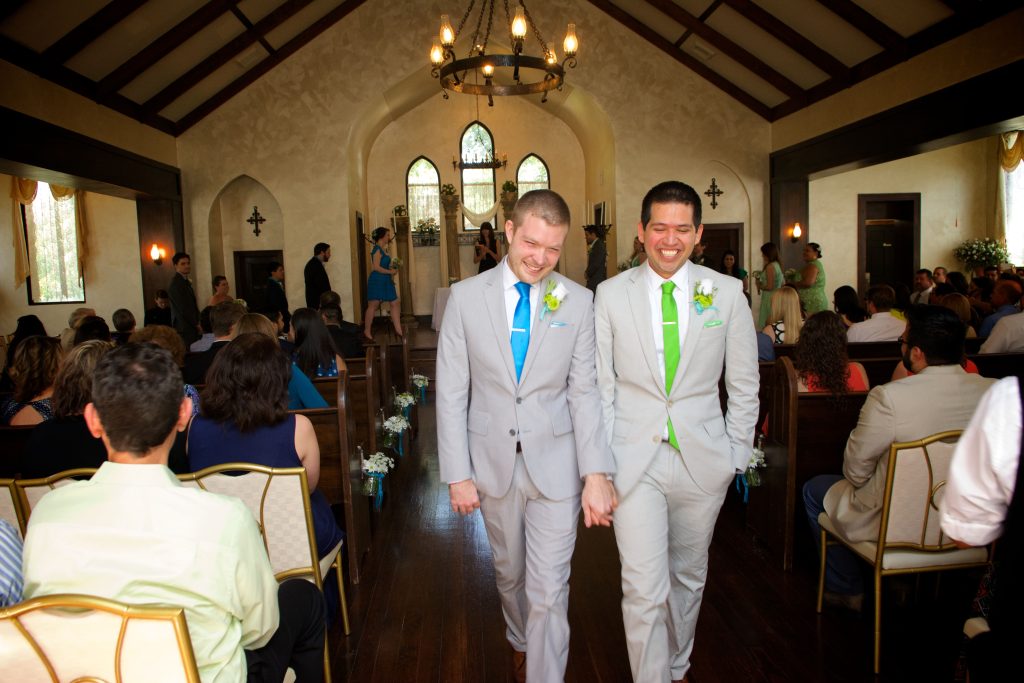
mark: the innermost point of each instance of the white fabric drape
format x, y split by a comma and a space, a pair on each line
478, 218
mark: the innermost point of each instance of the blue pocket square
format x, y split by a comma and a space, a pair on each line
559, 323
713, 323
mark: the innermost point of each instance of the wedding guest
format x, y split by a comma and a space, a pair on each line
67, 337
380, 288
124, 325
1005, 297
170, 340
959, 304
768, 280
959, 282
882, 325
821, 360
923, 285
346, 335
301, 392
315, 353
597, 256
160, 314
639, 255
221, 289
33, 369
11, 579
184, 309
939, 274
204, 342
785, 317
222, 320
315, 276
276, 299
28, 326
730, 266
92, 327
847, 305
486, 251
811, 284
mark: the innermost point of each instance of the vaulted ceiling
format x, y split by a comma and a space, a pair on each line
169, 63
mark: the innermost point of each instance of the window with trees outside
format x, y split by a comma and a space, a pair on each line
477, 183
532, 174
423, 192
51, 234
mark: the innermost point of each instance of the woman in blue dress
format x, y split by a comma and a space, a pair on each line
381, 287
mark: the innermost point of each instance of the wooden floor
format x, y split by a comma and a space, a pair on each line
427, 608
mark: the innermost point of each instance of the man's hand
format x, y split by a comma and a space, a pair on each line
599, 500
464, 496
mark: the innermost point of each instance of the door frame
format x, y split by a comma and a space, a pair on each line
740, 248
862, 233
239, 260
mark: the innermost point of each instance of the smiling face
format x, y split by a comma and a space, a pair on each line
534, 247
669, 237
729, 261
809, 254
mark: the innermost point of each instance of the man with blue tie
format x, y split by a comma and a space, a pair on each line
519, 426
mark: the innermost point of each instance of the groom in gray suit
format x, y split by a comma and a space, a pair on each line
519, 427
665, 330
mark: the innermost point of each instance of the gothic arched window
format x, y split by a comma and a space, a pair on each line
532, 174
423, 192
477, 183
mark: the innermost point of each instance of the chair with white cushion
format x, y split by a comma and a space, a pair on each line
31, 491
84, 638
910, 539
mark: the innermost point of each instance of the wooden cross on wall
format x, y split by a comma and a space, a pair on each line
255, 220
714, 192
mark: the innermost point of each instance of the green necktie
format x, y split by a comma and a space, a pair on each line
670, 334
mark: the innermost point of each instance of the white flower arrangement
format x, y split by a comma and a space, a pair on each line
404, 400
378, 463
396, 424
979, 253
420, 381
553, 297
704, 295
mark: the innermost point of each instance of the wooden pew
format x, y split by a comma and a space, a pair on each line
999, 365
807, 435
13, 441
364, 398
328, 388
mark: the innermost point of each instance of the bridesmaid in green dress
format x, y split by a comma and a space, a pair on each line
812, 283
768, 280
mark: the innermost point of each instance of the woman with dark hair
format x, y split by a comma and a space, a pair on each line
245, 418
314, 352
730, 266
821, 361
221, 287
65, 442
380, 287
847, 305
768, 280
33, 369
301, 392
811, 284
959, 282
639, 255
486, 248
28, 326
92, 327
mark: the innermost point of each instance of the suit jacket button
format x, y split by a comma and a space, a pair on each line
669, 403
511, 432
519, 399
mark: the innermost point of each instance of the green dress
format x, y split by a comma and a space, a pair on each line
813, 298
766, 294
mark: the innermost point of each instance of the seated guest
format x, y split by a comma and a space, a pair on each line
67, 337
939, 275
160, 314
820, 357
940, 290
134, 534
923, 285
992, 273
959, 304
33, 369
169, 340
765, 347
245, 418
277, 318
330, 298
124, 325
223, 319
92, 327
959, 282
65, 443
11, 582
785, 320
847, 305
1005, 297
882, 325
314, 351
902, 301
932, 346
1007, 336
301, 392
28, 326
980, 295
347, 337
204, 342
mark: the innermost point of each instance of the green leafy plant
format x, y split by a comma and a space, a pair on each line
448, 189
980, 253
399, 210
509, 186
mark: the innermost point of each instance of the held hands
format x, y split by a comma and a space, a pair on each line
464, 497
599, 500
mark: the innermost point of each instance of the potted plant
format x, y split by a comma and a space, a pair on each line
978, 254
449, 199
509, 196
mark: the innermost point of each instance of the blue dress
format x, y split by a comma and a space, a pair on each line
214, 443
380, 287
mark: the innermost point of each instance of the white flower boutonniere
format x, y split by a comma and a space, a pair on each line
704, 296
553, 297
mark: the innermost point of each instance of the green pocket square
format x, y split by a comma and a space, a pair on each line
713, 323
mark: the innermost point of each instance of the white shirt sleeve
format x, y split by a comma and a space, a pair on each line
983, 472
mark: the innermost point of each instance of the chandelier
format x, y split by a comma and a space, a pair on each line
547, 73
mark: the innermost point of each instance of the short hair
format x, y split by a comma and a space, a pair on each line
816, 247
331, 313
217, 279
320, 247
988, 268
256, 323
204, 320
546, 205
938, 332
273, 265
924, 271
670, 192
162, 294
137, 392
938, 268
123, 320
247, 384
770, 251
34, 366
225, 316
165, 337
330, 299
958, 280
180, 255
72, 389
78, 315
1008, 290
92, 327
882, 296
848, 304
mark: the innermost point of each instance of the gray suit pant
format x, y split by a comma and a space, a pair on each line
663, 528
532, 539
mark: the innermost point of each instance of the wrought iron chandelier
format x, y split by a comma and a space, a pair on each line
453, 72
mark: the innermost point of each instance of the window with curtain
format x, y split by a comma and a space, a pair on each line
532, 174
477, 183
1015, 214
423, 192
51, 233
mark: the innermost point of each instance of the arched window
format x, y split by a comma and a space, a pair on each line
423, 192
477, 183
532, 174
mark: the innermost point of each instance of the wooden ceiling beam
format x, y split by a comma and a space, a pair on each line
10, 7
164, 45
703, 17
865, 22
89, 30
219, 58
666, 46
250, 76
729, 48
244, 21
789, 37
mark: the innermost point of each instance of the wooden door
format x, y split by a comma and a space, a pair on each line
720, 237
888, 239
252, 270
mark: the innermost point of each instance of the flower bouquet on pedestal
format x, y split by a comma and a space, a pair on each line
404, 403
394, 426
375, 468
421, 382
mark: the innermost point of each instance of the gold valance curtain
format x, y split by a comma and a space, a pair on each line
23, 192
1011, 149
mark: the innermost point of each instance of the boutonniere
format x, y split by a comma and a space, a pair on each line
554, 294
704, 296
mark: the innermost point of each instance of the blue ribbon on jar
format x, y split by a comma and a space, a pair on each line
378, 496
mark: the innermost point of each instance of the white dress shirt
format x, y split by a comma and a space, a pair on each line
922, 296
509, 281
1007, 336
880, 327
682, 296
983, 473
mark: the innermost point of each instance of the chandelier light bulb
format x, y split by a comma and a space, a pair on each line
447, 33
549, 54
436, 54
571, 43
488, 70
519, 23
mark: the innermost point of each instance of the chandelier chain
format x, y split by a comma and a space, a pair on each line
462, 22
490, 22
533, 25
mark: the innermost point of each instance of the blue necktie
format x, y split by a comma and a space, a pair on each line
521, 328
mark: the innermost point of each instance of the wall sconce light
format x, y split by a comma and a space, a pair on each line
796, 233
157, 253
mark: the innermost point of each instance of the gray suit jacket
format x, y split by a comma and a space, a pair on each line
633, 394
554, 411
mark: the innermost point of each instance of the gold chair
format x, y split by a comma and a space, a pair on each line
910, 539
279, 500
84, 638
30, 491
